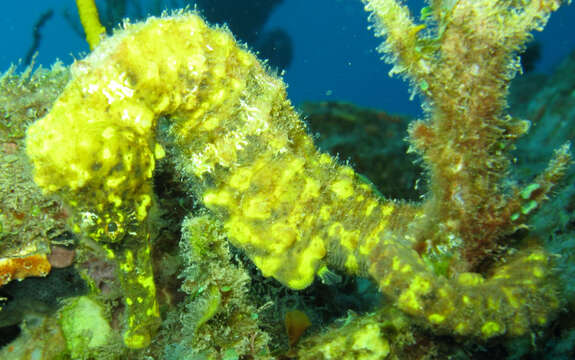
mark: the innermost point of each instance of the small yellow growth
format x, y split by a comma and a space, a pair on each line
420, 285
219, 198
370, 344
282, 237
342, 188
537, 256
470, 279
513, 300
128, 264
395, 264
351, 264
387, 209
518, 326
325, 212
491, 329
237, 229
142, 206
114, 183
306, 265
258, 207
240, 180
267, 265
372, 204
147, 282
292, 169
109, 252
136, 341
335, 229
538, 272
159, 152
410, 299
349, 239
493, 303
213, 300
311, 189
406, 269
368, 243
461, 329
436, 318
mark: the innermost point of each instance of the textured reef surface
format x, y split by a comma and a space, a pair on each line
162, 199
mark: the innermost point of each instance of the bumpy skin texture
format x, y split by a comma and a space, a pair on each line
238, 143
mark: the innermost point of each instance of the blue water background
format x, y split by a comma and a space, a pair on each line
334, 52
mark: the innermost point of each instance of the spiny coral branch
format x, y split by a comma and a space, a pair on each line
90, 22
462, 64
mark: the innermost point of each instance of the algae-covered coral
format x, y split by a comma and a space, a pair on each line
204, 107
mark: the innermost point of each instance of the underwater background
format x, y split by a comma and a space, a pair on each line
212, 301
334, 56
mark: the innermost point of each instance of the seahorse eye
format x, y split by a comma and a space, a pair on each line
112, 227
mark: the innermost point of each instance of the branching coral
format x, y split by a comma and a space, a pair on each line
175, 86
462, 65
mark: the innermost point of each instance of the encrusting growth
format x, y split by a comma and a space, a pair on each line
174, 86
19, 268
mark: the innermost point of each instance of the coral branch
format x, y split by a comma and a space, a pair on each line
466, 60
90, 22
